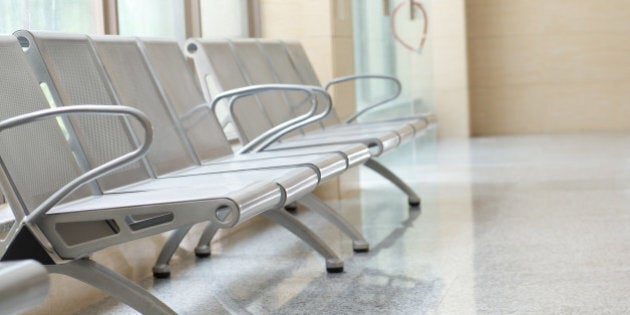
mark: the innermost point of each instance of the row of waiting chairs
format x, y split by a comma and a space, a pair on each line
79, 178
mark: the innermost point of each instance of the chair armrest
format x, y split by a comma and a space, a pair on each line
272, 135
23, 285
96, 172
396, 93
282, 128
235, 94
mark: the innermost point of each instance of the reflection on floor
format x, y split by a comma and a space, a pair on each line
509, 225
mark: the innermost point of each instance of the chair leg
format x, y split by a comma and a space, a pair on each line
119, 287
359, 243
162, 269
333, 262
413, 199
203, 247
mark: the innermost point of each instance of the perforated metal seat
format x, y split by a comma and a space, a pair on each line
355, 154
380, 142
326, 167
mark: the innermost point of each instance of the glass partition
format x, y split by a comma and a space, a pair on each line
389, 40
225, 18
161, 18
82, 16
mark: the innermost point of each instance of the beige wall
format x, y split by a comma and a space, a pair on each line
540, 66
450, 73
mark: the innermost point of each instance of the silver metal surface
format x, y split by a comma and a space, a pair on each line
23, 286
96, 172
359, 243
397, 91
78, 77
119, 287
279, 130
300, 230
385, 172
312, 119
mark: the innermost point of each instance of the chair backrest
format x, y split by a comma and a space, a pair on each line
258, 71
287, 72
219, 71
69, 66
35, 159
182, 92
301, 62
135, 86
305, 70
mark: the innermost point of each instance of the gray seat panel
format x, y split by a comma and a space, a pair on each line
328, 166
379, 143
169, 191
404, 131
400, 126
355, 153
295, 181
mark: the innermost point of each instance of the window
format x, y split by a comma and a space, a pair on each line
378, 50
83, 16
163, 18
226, 18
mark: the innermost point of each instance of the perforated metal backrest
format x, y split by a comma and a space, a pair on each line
301, 62
36, 156
135, 86
305, 71
77, 78
253, 120
258, 70
281, 63
178, 82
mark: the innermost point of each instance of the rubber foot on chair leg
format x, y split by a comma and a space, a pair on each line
162, 271
291, 208
202, 251
360, 247
414, 203
334, 265
335, 269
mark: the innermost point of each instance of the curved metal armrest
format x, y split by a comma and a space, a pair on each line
287, 124
396, 93
272, 135
96, 172
236, 94
256, 89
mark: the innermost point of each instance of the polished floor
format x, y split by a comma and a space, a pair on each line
535, 224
